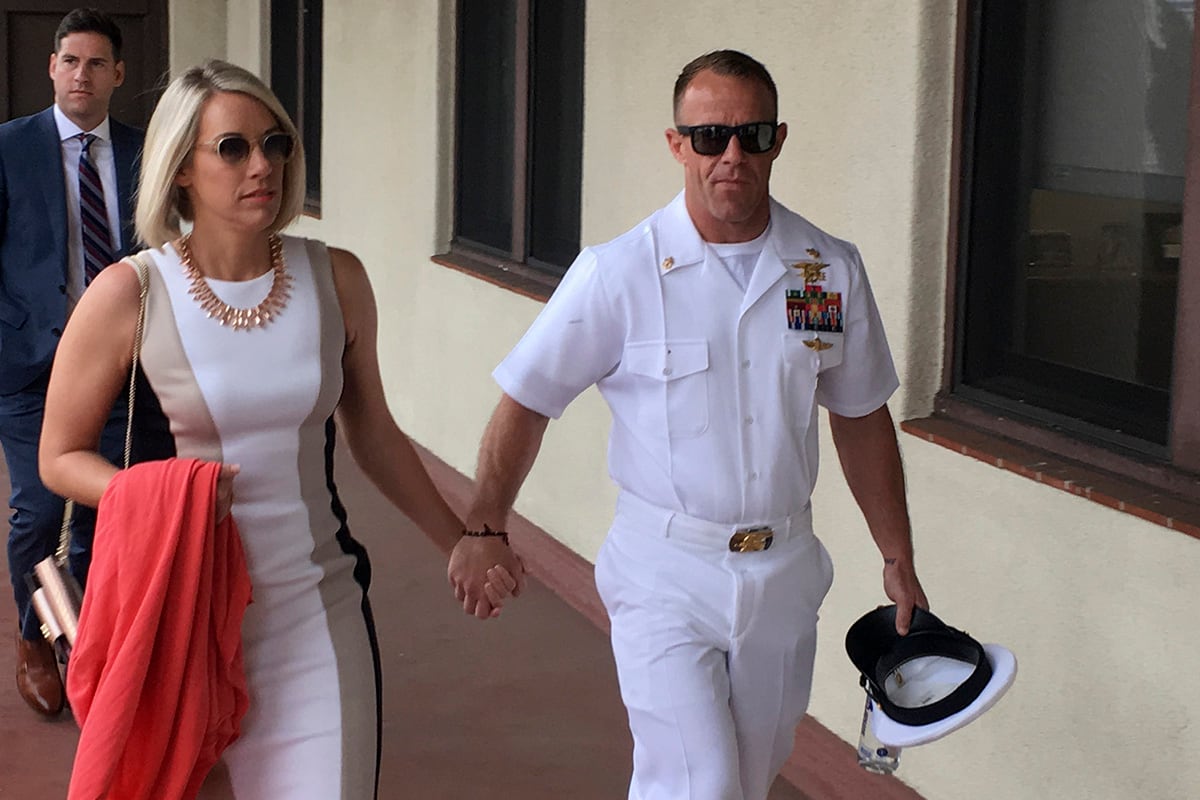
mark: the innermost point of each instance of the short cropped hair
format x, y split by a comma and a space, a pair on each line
171, 137
89, 20
731, 64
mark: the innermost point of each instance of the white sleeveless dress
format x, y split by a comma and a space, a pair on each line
264, 398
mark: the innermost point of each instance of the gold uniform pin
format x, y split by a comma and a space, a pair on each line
668, 262
815, 343
814, 271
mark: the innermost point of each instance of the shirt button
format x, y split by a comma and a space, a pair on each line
753, 476
749, 420
746, 364
667, 371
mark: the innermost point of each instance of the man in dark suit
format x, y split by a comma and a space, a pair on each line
67, 177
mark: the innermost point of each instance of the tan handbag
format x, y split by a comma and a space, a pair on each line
54, 593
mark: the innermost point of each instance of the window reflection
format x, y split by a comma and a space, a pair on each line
1105, 206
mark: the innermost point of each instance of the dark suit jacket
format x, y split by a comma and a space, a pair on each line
33, 239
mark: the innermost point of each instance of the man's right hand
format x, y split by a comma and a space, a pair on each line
484, 571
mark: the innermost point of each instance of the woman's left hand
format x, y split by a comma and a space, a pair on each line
500, 585
482, 589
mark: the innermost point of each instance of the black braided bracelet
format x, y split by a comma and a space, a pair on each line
487, 532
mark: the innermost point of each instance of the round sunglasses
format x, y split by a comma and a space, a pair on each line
235, 149
711, 140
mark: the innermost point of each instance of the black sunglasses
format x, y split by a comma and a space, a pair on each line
235, 149
711, 140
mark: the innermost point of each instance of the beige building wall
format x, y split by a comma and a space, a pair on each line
1096, 604
248, 35
196, 31
235, 30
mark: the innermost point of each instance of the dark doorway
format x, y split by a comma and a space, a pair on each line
27, 39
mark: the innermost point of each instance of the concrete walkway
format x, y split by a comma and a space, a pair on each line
525, 707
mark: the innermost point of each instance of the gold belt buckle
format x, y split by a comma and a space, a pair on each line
751, 540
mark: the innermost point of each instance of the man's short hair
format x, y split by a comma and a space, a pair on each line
731, 64
89, 20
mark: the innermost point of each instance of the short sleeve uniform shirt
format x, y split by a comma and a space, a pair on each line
713, 390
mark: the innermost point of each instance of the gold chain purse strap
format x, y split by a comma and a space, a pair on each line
143, 272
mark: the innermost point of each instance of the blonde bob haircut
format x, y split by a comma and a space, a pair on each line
171, 137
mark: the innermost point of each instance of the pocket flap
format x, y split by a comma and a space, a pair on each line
11, 315
823, 349
667, 361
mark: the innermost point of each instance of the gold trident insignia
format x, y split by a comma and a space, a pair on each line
814, 271
815, 343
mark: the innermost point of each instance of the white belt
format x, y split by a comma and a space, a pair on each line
739, 538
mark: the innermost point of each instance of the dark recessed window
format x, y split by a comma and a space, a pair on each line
296, 80
1073, 218
519, 130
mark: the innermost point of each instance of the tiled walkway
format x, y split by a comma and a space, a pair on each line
521, 708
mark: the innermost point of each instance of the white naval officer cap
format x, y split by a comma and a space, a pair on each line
929, 683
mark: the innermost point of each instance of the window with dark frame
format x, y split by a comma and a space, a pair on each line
519, 131
1070, 239
296, 67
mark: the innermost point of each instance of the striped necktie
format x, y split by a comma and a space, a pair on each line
93, 215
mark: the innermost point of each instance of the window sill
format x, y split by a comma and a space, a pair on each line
509, 275
1110, 489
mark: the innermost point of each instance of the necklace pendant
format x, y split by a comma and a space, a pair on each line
230, 316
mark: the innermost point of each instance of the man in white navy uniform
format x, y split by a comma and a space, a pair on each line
712, 329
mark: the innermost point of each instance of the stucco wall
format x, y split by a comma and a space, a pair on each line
235, 30
247, 35
197, 30
1097, 606
1094, 603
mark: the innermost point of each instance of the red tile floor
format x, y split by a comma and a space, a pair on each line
520, 708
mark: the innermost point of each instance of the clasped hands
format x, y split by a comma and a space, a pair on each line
485, 572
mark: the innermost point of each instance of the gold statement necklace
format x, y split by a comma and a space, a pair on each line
239, 318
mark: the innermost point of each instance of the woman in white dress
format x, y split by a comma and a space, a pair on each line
252, 342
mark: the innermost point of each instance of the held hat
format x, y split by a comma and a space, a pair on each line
928, 683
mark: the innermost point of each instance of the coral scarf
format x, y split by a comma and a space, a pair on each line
156, 678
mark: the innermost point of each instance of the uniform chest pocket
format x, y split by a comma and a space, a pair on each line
817, 350
672, 381
806, 354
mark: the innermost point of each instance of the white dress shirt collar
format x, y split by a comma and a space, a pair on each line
68, 129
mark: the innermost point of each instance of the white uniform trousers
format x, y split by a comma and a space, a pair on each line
714, 649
